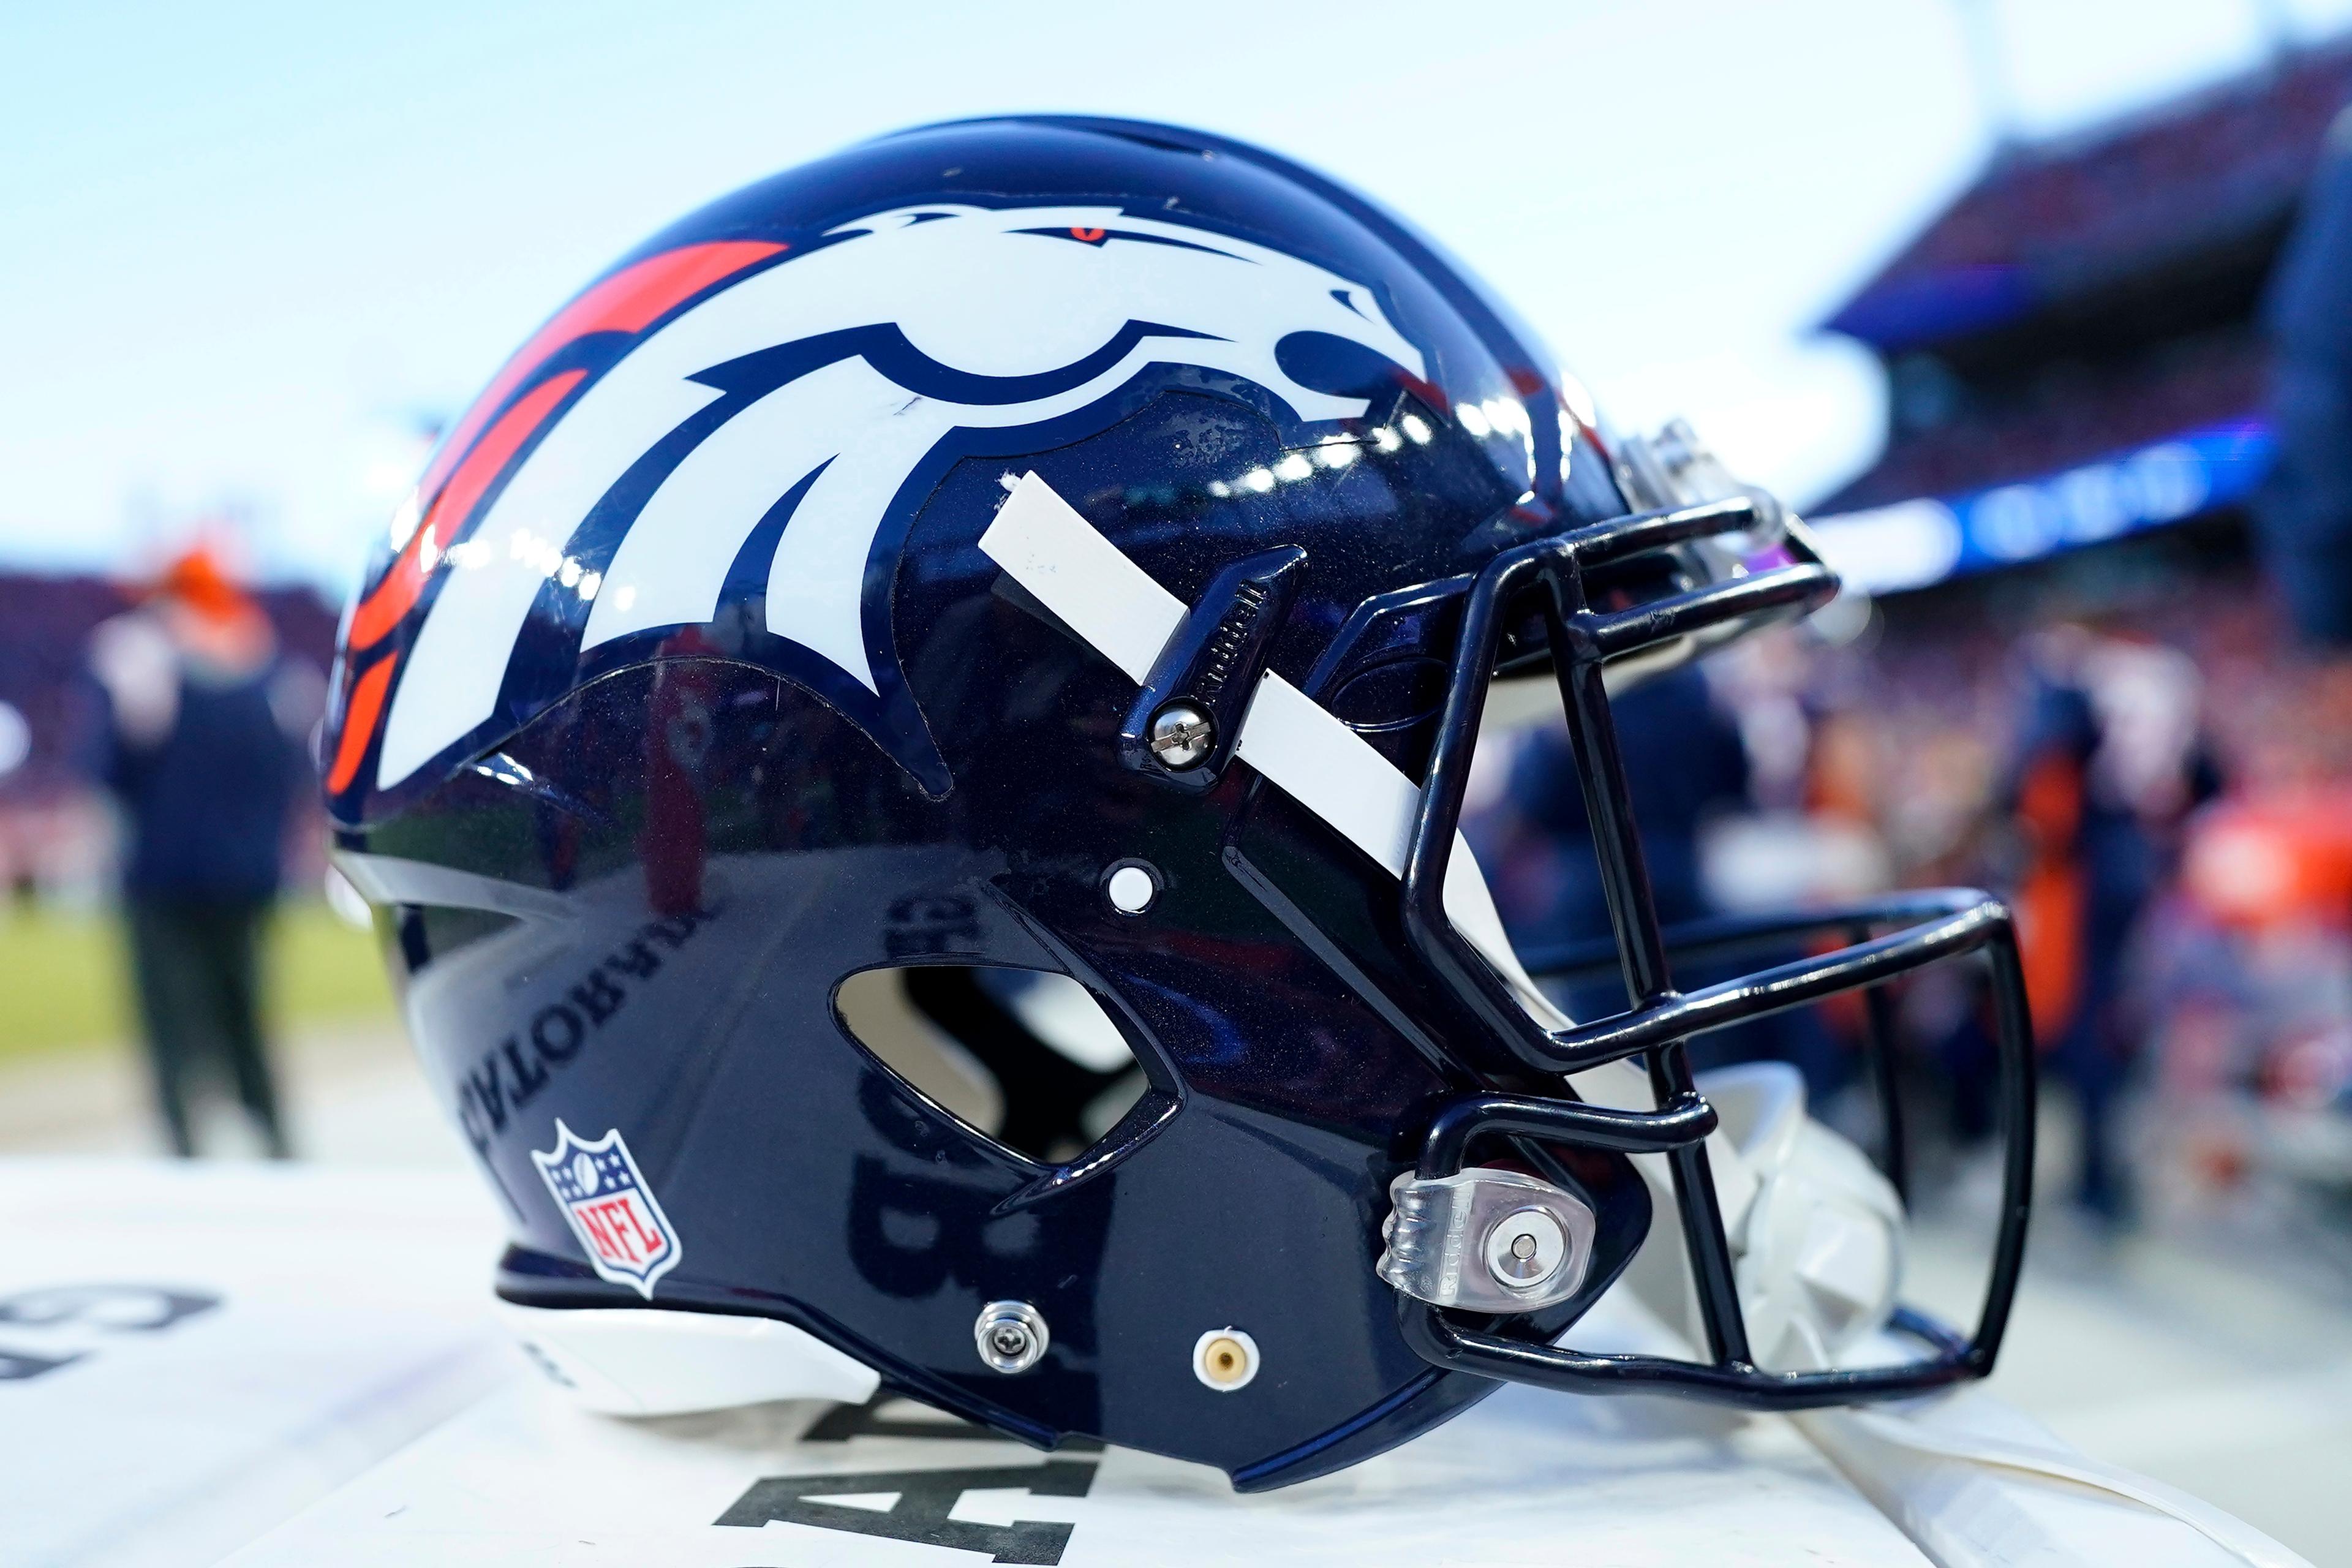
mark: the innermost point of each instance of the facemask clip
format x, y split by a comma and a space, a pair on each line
1187, 720
1485, 1240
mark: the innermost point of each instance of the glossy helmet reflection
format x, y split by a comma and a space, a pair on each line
907, 751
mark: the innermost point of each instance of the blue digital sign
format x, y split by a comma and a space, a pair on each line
1913, 543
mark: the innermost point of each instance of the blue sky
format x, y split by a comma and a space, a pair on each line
246, 248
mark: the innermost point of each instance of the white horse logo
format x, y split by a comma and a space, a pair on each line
1020, 325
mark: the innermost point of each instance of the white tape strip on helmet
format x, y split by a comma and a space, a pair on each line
1086, 579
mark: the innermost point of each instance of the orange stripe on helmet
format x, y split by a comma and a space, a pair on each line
359, 715
405, 580
630, 300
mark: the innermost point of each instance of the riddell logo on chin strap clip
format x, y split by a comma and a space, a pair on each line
1185, 722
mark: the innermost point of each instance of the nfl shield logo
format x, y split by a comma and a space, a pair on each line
614, 1213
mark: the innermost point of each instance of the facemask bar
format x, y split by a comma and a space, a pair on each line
1550, 574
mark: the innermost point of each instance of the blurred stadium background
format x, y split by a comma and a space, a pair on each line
2063, 673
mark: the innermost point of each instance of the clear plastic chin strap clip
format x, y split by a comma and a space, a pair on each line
1485, 1240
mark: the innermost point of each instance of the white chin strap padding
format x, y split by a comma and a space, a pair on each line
1816, 1232
641, 1361
1820, 1249
1819, 1256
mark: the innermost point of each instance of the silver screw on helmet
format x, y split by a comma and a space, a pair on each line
1010, 1335
1181, 735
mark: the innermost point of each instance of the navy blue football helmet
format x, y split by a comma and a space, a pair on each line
907, 751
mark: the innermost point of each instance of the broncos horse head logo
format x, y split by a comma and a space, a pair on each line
815, 388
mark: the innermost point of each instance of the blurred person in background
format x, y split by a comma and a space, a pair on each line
1685, 765
2109, 759
196, 735
1683, 758
2304, 510
1803, 834
1737, 815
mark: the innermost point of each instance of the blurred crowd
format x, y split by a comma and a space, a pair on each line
2146, 748
2242, 142
2096, 293
1955, 445
2164, 797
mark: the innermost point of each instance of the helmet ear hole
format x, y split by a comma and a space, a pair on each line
1026, 1058
873, 1006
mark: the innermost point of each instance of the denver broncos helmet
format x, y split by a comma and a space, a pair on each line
907, 752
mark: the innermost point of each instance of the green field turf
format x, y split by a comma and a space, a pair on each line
63, 983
